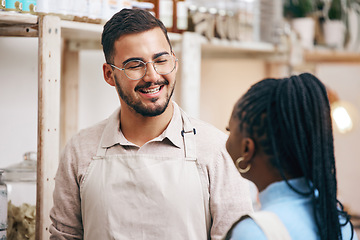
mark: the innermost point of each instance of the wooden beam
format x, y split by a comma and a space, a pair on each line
19, 30
78, 45
48, 119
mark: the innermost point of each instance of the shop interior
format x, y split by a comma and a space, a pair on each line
52, 82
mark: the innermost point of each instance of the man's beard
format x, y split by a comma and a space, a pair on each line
138, 106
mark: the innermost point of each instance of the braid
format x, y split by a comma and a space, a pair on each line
284, 157
251, 110
290, 119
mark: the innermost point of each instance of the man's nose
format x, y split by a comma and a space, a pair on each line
150, 74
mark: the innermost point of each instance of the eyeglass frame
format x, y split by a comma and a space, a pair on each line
145, 63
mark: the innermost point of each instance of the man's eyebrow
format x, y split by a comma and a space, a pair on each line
156, 55
132, 59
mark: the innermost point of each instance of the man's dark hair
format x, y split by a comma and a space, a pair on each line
128, 21
290, 119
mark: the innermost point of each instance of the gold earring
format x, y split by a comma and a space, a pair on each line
237, 162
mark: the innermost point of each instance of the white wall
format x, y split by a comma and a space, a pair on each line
223, 81
18, 96
97, 99
344, 79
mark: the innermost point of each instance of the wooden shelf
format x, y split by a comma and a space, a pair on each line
331, 56
235, 46
88, 35
81, 30
11, 18
217, 48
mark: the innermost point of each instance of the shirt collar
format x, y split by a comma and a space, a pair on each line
173, 130
112, 134
280, 191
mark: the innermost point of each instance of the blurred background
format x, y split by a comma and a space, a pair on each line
223, 48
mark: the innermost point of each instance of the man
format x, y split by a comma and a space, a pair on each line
148, 171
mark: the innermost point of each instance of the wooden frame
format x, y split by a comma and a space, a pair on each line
48, 119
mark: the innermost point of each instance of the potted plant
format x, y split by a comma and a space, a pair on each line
299, 14
334, 25
336, 10
297, 8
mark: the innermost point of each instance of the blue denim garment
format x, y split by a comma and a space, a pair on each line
294, 210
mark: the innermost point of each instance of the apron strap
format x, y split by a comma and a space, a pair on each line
271, 225
188, 134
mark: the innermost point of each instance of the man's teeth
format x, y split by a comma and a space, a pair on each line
151, 91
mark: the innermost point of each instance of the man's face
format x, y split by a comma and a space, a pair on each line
150, 95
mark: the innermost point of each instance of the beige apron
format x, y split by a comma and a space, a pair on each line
146, 197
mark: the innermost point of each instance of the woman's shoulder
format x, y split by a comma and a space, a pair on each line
346, 231
247, 229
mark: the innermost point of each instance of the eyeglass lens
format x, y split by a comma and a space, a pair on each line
163, 65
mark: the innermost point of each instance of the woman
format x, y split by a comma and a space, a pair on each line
281, 139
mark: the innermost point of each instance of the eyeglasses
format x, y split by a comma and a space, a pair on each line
136, 69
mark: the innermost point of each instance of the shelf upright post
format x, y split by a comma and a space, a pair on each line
191, 73
69, 93
49, 59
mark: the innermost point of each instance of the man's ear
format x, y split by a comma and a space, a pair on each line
108, 74
248, 149
176, 63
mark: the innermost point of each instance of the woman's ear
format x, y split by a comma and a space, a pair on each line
248, 148
108, 74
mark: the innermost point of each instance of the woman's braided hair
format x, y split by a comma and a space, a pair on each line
290, 119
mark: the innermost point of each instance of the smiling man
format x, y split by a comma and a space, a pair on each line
149, 171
